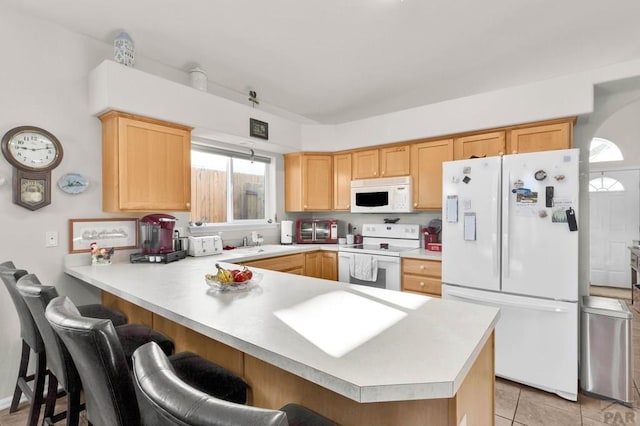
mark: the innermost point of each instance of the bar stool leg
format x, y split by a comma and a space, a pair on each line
22, 374
73, 408
50, 403
38, 389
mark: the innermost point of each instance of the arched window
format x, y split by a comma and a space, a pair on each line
604, 184
604, 150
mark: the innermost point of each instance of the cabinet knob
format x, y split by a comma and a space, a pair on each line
415, 204
422, 267
188, 205
421, 284
375, 173
382, 173
500, 152
305, 206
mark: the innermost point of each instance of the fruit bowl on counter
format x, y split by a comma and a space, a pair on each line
232, 279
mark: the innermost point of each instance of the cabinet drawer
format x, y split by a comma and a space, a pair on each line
293, 263
422, 284
431, 268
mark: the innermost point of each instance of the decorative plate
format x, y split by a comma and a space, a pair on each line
73, 183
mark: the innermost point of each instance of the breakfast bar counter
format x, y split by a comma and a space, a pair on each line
356, 354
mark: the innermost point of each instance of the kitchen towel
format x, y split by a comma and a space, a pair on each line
363, 267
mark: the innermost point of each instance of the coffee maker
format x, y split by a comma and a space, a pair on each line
156, 233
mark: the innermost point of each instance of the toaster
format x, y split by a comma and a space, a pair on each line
205, 246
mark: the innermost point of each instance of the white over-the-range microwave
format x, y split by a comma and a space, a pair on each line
385, 195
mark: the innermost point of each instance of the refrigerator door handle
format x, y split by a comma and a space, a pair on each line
506, 206
494, 302
495, 211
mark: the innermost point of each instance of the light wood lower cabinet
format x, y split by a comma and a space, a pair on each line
321, 264
292, 264
422, 276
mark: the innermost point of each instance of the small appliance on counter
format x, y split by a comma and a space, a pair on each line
286, 232
205, 245
156, 234
317, 231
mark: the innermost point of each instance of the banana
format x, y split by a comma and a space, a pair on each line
224, 275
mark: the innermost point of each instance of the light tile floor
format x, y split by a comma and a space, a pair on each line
517, 404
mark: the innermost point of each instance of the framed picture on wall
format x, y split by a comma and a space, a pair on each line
117, 233
258, 129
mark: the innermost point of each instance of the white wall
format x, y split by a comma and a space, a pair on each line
43, 81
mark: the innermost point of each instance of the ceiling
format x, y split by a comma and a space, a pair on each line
340, 60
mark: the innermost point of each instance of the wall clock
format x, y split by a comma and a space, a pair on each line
33, 152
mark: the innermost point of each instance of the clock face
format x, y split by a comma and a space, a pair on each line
31, 148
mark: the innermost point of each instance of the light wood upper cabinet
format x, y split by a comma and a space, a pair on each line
384, 162
540, 138
146, 164
426, 172
308, 180
480, 145
395, 161
342, 182
366, 164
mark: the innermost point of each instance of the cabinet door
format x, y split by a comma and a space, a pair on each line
540, 138
395, 161
365, 164
329, 265
426, 172
317, 182
146, 164
312, 264
482, 145
342, 182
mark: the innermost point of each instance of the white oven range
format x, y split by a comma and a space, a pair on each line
381, 246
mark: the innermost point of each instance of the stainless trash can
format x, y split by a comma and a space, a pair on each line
606, 349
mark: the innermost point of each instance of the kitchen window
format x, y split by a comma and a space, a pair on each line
229, 187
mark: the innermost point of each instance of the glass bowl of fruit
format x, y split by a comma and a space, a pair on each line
232, 279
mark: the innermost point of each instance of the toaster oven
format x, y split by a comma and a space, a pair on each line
317, 231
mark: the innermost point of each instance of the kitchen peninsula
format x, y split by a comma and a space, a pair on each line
358, 355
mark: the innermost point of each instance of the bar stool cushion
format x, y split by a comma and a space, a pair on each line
298, 415
165, 398
132, 336
209, 377
100, 311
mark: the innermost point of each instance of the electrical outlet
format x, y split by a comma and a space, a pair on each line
51, 239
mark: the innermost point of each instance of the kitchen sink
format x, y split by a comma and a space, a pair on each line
265, 248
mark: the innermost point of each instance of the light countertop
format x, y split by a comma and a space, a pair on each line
367, 344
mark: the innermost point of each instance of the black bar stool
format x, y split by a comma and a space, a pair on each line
32, 341
61, 366
101, 364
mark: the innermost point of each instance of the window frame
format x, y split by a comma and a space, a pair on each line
270, 201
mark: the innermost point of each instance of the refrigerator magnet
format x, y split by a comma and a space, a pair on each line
452, 208
469, 226
540, 175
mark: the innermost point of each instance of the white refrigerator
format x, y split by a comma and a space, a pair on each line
510, 240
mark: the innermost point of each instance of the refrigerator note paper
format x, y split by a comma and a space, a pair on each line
470, 226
